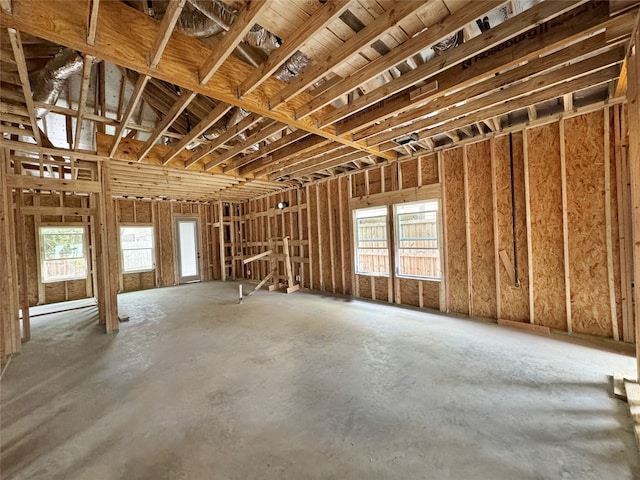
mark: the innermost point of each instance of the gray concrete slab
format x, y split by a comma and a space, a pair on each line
302, 386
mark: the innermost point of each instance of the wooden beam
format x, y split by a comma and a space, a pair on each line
608, 227
266, 150
565, 227
204, 124
128, 113
82, 102
23, 73
257, 137
257, 257
300, 170
354, 44
92, 24
59, 211
5, 5
297, 148
316, 157
125, 34
527, 206
538, 75
245, 20
597, 78
176, 110
633, 112
318, 21
231, 132
171, 15
55, 184
549, 46
450, 24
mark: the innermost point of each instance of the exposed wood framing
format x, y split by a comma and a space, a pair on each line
171, 15
246, 18
608, 228
23, 73
565, 227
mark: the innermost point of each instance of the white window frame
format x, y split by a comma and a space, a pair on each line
122, 226
42, 259
396, 242
357, 269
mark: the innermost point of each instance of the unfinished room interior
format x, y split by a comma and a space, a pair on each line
290, 239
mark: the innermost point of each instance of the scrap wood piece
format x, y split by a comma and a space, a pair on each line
632, 389
525, 326
260, 285
618, 387
257, 257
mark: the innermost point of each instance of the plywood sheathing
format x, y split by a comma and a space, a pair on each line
429, 169
481, 243
458, 300
431, 294
514, 299
545, 196
584, 150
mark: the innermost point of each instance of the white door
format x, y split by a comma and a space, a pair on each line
188, 250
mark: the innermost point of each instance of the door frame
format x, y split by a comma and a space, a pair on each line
176, 236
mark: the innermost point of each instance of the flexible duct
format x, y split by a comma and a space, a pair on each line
292, 67
446, 44
48, 82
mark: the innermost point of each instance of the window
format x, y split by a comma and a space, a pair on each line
63, 254
372, 247
417, 252
136, 244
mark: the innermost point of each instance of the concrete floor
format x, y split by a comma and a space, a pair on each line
302, 386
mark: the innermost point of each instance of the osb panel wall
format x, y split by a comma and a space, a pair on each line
456, 246
481, 244
431, 295
545, 197
584, 151
514, 299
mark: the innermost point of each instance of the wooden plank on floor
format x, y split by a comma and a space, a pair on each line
525, 326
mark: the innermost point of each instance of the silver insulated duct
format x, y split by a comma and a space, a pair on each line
48, 82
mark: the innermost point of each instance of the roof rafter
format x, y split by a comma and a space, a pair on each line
185, 99
500, 36
243, 23
319, 20
166, 29
366, 36
206, 123
23, 73
430, 36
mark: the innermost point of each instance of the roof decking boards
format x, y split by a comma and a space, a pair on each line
372, 77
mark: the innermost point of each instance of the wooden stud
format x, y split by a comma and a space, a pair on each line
444, 260
92, 24
609, 233
527, 198
633, 112
565, 226
496, 232
624, 233
332, 247
468, 229
320, 237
